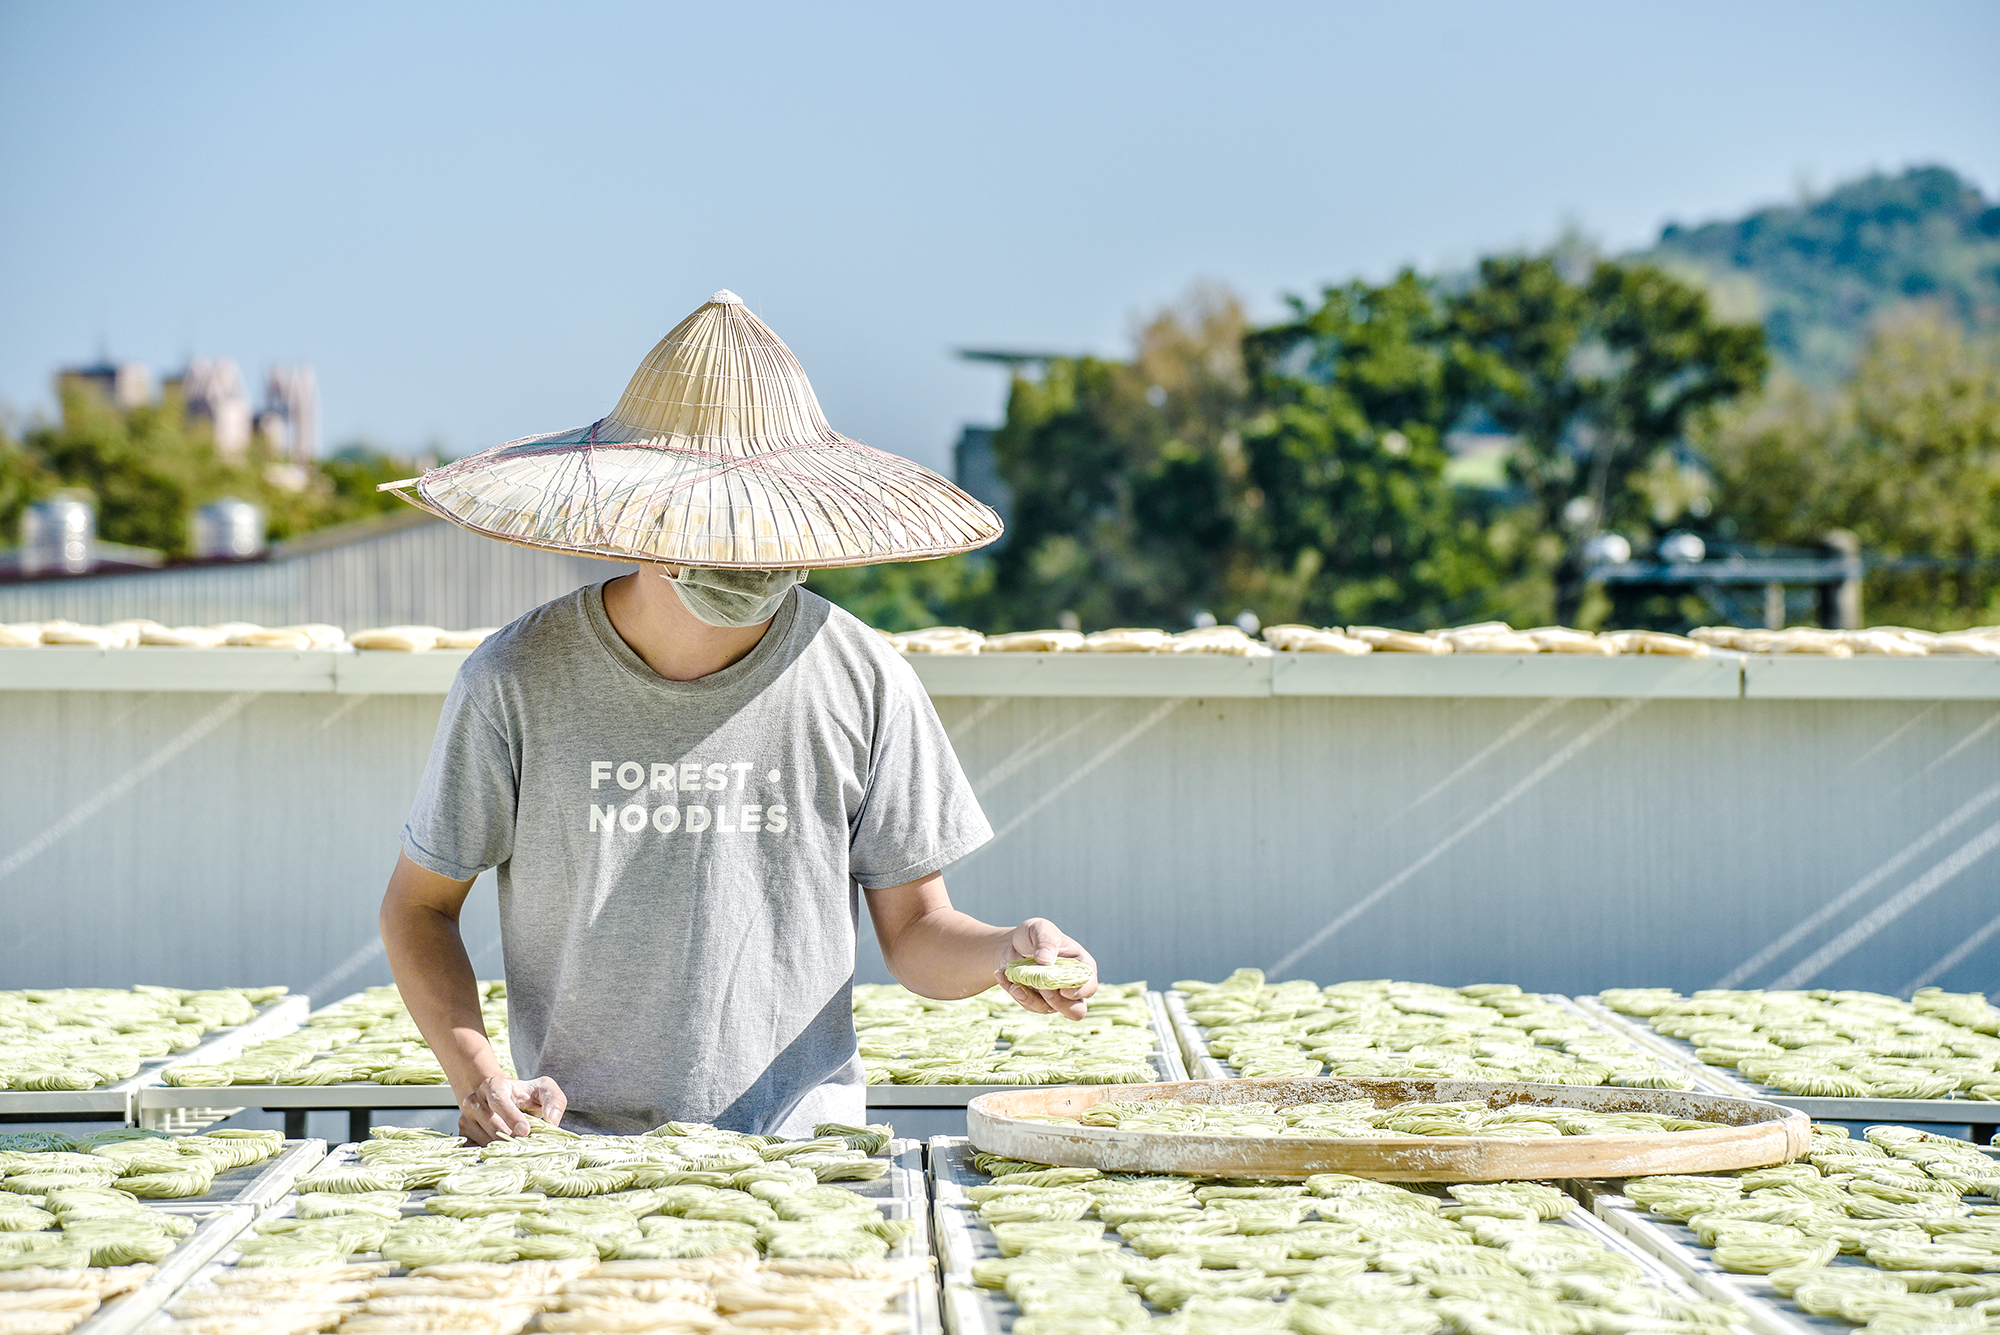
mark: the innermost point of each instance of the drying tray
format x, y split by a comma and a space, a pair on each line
963, 1238
188, 1108
159, 1105
120, 1101
261, 1186
1753, 1134
1766, 1310
901, 1193
217, 1227
1166, 1059
1952, 1111
1192, 1039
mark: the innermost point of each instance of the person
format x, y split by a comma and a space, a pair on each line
684, 773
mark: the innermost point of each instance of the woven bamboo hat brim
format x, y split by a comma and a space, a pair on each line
717, 455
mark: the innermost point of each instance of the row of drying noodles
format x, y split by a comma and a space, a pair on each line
1485, 637
236, 635
1081, 1252
74, 1038
1897, 1229
75, 1231
686, 1228
115, 1168
906, 1039
1834, 1043
1395, 1030
368, 1038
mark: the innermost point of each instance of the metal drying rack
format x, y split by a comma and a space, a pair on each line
1979, 1116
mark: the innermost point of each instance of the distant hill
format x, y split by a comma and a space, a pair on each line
1818, 273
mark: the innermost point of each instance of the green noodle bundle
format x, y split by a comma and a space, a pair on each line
24, 1218
58, 1254
1054, 976
478, 1206
559, 1247
579, 1181
870, 1140
816, 1240
377, 1204
353, 1179
670, 1238
486, 1179
125, 1243
40, 1184
173, 1184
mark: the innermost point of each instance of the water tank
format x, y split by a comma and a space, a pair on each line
1607, 549
1682, 548
58, 537
228, 530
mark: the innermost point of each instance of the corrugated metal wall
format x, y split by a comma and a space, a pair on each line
1564, 845
405, 570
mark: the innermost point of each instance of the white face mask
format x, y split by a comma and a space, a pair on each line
732, 597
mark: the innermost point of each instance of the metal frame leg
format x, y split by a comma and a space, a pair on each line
295, 1124
357, 1123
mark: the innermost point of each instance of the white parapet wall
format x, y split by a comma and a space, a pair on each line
228, 816
1720, 676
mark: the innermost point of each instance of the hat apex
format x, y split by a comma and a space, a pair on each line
726, 298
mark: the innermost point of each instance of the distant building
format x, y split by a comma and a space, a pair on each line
120, 384
974, 465
976, 469
290, 420
212, 392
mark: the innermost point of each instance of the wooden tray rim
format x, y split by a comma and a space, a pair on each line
1766, 1134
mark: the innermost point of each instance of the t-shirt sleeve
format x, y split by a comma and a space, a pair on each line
919, 814
463, 820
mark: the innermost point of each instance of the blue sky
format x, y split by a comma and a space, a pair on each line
474, 220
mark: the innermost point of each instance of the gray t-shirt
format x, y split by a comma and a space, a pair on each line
678, 859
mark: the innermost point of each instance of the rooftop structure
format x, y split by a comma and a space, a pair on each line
120, 384
401, 568
212, 391
290, 420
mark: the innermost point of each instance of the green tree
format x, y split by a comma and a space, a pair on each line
1596, 380
23, 481
1348, 517
1124, 476
1905, 455
148, 469
145, 470
908, 595
351, 475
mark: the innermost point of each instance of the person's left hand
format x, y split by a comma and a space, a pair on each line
1042, 941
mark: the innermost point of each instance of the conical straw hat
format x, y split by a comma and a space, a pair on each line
717, 455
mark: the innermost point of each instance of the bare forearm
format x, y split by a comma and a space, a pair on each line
420, 929
936, 951
947, 954
435, 976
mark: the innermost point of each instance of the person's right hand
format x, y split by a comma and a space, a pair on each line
496, 1106
1042, 941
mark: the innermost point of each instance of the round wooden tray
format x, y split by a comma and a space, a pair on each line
1753, 1134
